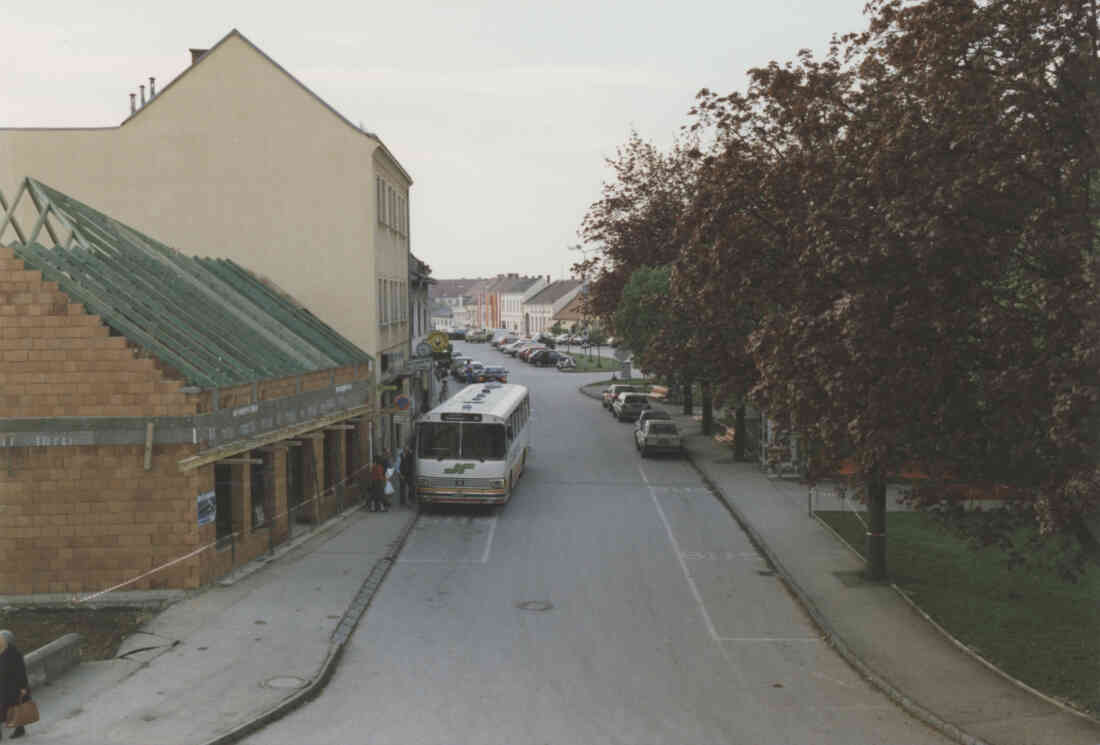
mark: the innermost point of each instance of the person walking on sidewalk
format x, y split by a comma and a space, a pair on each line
407, 476
14, 686
377, 484
390, 471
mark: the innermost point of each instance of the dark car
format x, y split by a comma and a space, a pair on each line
489, 374
546, 358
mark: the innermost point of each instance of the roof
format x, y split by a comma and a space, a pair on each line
517, 285
554, 291
234, 33
453, 287
496, 400
211, 320
573, 310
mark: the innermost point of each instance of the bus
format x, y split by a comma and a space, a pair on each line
472, 448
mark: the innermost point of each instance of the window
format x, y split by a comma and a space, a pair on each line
380, 195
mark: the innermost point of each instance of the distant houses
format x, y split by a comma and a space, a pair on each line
523, 304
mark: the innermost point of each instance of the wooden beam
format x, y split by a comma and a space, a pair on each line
212, 455
148, 446
341, 427
247, 461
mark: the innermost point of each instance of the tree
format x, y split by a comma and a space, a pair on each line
557, 329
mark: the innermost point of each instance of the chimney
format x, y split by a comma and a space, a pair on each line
152, 87
142, 94
196, 54
133, 106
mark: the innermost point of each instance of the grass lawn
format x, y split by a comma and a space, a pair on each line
1032, 624
591, 363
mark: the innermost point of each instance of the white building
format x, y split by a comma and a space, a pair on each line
513, 295
540, 309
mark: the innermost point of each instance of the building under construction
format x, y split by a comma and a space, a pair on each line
162, 418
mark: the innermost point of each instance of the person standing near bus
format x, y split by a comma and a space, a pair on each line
14, 687
377, 484
407, 476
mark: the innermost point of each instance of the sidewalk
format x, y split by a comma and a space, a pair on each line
871, 625
231, 655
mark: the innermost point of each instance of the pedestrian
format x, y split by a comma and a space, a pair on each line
407, 476
14, 686
377, 484
390, 470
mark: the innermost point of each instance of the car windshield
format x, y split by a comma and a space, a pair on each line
662, 428
443, 440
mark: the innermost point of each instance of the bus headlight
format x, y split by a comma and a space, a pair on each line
496, 483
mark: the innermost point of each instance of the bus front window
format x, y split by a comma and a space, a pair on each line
438, 440
483, 441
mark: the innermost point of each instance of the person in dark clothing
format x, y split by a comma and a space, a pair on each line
377, 484
13, 678
407, 477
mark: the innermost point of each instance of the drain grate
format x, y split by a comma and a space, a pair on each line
535, 606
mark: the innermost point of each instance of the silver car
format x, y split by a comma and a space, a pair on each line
627, 406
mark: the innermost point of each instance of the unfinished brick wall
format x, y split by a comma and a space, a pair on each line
58, 360
81, 519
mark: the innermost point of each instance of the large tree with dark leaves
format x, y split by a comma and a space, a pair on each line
920, 246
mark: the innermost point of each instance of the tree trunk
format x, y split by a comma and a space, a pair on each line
708, 409
689, 407
739, 434
876, 526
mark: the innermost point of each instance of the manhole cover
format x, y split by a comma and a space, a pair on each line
284, 681
538, 606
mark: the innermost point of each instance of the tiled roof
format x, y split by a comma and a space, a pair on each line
211, 320
554, 291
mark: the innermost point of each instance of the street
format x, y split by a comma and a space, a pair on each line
614, 600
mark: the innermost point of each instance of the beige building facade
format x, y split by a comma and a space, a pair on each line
237, 158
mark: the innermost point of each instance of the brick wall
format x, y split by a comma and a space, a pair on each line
81, 519
58, 360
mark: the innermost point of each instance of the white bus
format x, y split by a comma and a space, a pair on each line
473, 448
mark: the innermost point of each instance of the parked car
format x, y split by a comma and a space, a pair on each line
658, 436
457, 364
566, 362
491, 373
526, 352
456, 334
544, 357
627, 406
651, 414
613, 390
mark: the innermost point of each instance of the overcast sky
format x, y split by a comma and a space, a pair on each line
503, 111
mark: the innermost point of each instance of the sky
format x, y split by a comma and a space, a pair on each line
503, 111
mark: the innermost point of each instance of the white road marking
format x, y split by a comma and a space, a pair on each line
769, 638
832, 680
687, 575
489, 542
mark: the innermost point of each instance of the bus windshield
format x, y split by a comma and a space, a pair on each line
446, 440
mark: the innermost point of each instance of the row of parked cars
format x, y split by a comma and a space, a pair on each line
538, 351
468, 370
654, 430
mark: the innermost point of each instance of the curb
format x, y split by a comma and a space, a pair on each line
831, 637
340, 637
961, 645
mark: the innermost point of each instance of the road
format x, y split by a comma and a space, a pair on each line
614, 600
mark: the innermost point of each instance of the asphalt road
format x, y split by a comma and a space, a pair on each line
612, 601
